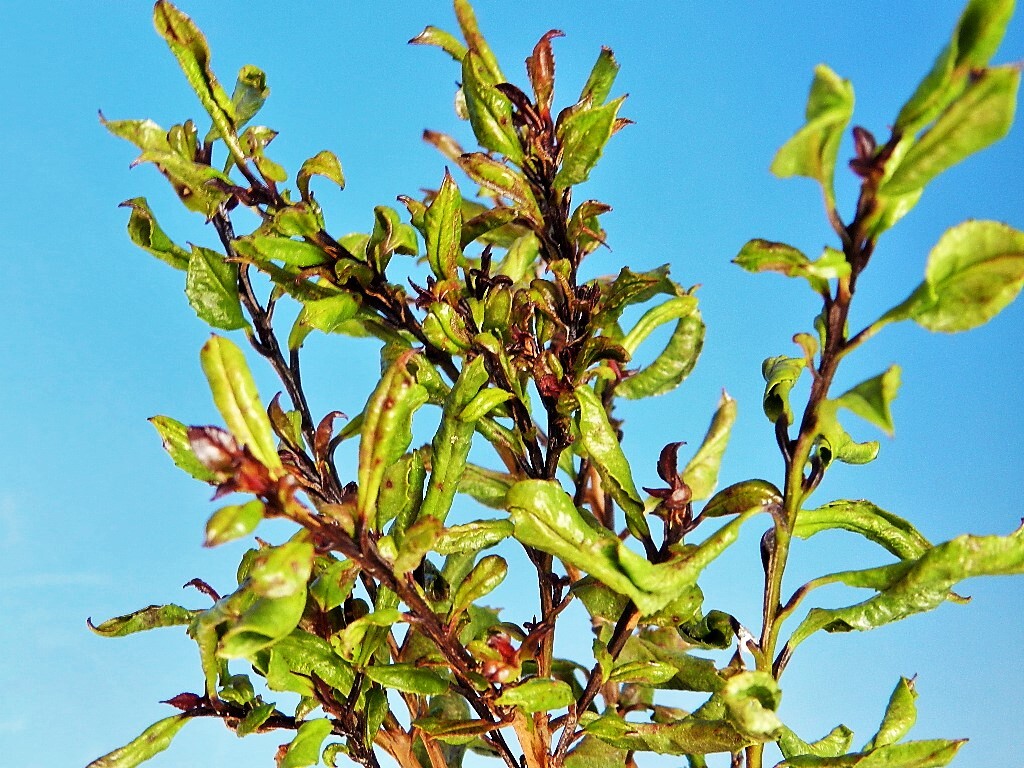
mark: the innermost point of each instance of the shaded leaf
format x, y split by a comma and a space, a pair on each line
743, 496
211, 285
900, 716
489, 110
472, 537
486, 575
442, 224
912, 754
780, 374
871, 399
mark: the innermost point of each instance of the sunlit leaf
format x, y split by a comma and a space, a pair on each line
893, 533
146, 233
900, 716
211, 285
701, 472
150, 742
407, 678
151, 617
305, 747
537, 695
174, 435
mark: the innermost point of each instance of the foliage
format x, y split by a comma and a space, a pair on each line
373, 612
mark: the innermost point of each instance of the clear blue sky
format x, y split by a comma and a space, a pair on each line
95, 521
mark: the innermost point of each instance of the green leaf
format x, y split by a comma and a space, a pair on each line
490, 111
211, 285
443, 230
684, 737
255, 718
601, 77
305, 747
472, 537
893, 533
667, 646
333, 584
871, 399
920, 585
834, 444
743, 496
386, 432
401, 492
974, 271
979, 117
701, 473
414, 543
324, 164
146, 233
675, 362
601, 444
751, 699
265, 622
538, 694
451, 444
900, 716
144, 134
150, 617
296, 658
975, 39
281, 571
233, 522
767, 256
833, 744
294, 253
235, 395
912, 754
645, 672
407, 678
486, 575
502, 180
812, 150
486, 486
546, 518
582, 138
190, 49
150, 742
174, 435
780, 374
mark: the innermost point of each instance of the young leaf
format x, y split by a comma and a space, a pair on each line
174, 435
701, 473
583, 136
835, 444
296, 658
537, 694
766, 256
151, 617
251, 90
472, 537
305, 747
150, 742
281, 571
687, 736
900, 716
262, 624
233, 522
442, 225
602, 76
601, 444
146, 233
780, 374
327, 315
235, 395
981, 116
446, 41
211, 285
294, 253
873, 523
812, 151
743, 496
324, 164
502, 180
871, 399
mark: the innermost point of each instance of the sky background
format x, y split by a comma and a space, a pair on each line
95, 520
